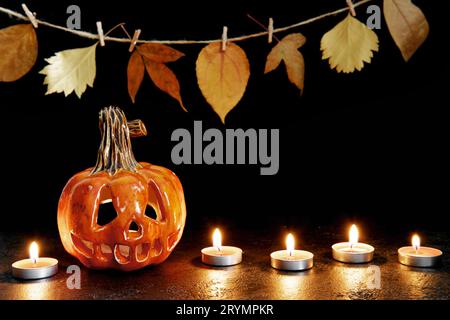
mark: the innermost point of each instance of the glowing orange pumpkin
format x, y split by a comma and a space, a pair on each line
132, 240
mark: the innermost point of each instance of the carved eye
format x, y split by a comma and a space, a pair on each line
151, 213
106, 213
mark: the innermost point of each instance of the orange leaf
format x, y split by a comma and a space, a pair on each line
159, 52
164, 79
18, 51
135, 72
407, 25
287, 50
222, 76
152, 56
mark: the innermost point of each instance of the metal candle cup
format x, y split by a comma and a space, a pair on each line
358, 253
34, 267
291, 259
221, 256
417, 256
298, 261
226, 256
353, 251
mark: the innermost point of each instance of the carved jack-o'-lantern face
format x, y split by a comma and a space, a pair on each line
130, 239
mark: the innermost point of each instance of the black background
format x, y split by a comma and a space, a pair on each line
369, 147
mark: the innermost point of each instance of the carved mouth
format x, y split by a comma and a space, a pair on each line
120, 253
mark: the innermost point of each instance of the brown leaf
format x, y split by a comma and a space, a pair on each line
222, 76
407, 24
164, 79
287, 50
18, 51
151, 57
159, 52
135, 72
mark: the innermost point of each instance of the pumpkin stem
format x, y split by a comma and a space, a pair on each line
115, 152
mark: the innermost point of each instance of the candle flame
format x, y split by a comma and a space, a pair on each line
217, 239
416, 242
353, 235
290, 243
34, 251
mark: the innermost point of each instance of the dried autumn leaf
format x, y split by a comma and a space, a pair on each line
222, 76
70, 70
18, 51
160, 53
151, 57
287, 50
348, 45
135, 72
164, 79
407, 24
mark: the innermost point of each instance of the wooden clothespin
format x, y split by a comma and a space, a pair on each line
136, 35
270, 30
224, 38
101, 35
351, 7
30, 15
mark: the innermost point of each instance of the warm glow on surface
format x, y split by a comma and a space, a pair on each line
34, 251
416, 242
217, 239
353, 236
290, 243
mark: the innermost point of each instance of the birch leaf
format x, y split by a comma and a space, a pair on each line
70, 70
222, 76
407, 24
348, 45
18, 51
287, 50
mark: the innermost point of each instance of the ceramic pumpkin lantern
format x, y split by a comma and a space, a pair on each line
132, 240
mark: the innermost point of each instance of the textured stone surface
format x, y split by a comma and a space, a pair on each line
183, 276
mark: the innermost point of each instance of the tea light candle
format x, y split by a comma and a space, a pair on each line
353, 251
221, 256
34, 267
417, 256
291, 259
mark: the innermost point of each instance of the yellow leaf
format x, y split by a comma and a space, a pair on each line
287, 50
222, 76
407, 25
70, 70
348, 45
18, 51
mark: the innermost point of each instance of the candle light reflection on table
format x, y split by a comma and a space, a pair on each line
218, 283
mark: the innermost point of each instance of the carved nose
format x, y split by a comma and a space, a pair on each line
134, 231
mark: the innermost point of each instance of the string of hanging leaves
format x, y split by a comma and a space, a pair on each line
222, 75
